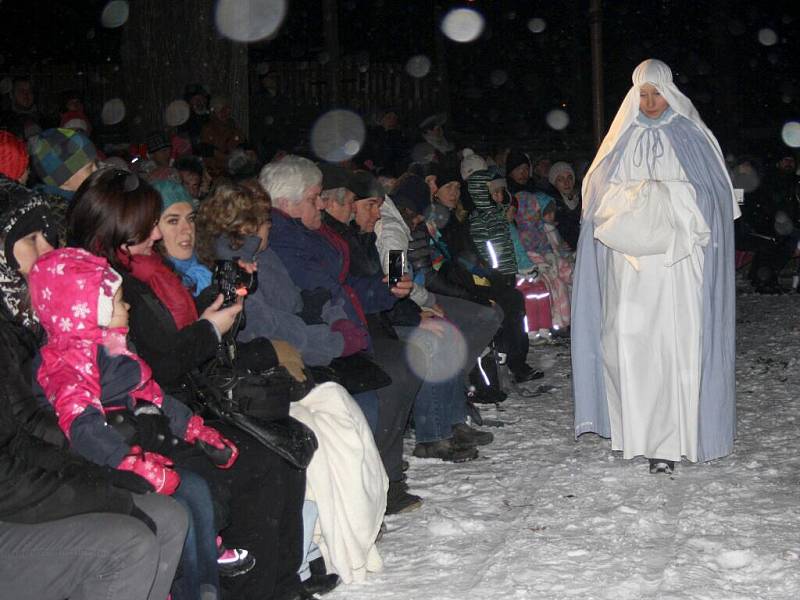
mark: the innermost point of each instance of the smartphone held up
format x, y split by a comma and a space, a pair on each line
397, 266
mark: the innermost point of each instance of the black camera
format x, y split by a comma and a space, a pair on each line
233, 281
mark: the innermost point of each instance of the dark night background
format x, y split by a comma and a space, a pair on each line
745, 90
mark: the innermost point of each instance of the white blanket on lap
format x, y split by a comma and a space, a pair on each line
346, 479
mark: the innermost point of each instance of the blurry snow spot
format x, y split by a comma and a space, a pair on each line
269, 120
783, 223
557, 119
786, 99
90, 34
767, 37
511, 15
262, 68
418, 66
177, 113
351, 147
463, 25
114, 14
323, 58
734, 559
113, 112
448, 346
683, 78
498, 77
5, 85
791, 134
249, 20
363, 68
537, 25
704, 68
337, 135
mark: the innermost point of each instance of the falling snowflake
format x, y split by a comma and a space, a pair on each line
81, 310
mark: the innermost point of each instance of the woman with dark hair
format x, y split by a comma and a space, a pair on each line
86, 531
115, 214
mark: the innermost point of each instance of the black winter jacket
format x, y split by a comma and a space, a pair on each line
39, 480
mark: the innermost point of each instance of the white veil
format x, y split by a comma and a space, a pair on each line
658, 74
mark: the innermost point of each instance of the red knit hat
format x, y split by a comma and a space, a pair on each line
13, 156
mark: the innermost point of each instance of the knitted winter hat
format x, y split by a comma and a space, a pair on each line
558, 169
13, 156
446, 172
470, 163
515, 159
75, 119
413, 193
57, 154
171, 193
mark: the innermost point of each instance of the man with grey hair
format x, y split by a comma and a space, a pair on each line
294, 184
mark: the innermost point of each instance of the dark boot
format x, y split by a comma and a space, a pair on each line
525, 373
466, 435
398, 500
447, 450
658, 465
320, 581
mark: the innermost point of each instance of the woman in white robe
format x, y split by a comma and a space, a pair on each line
650, 239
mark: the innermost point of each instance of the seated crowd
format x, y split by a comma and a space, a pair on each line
207, 372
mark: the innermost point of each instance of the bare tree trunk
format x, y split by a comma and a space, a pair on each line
167, 45
598, 109
330, 25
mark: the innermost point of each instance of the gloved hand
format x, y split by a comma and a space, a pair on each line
355, 337
155, 468
222, 452
289, 358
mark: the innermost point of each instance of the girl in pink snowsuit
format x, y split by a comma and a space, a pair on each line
91, 379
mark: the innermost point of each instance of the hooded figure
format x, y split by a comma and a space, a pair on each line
489, 226
653, 299
22, 212
72, 293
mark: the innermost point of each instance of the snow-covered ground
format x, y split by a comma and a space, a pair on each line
540, 515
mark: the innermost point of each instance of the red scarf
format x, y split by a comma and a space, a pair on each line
343, 248
164, 283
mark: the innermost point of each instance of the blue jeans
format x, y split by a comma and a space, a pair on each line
199, 577
368, 402
440, 402
310, 550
